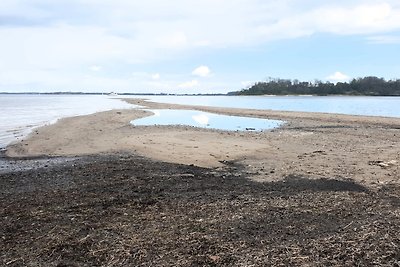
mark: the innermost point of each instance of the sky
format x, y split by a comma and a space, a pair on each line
187, 46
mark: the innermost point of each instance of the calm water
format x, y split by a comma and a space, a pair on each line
353, 105
19, 114
206, 120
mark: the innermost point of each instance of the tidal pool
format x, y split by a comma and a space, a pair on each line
206, 120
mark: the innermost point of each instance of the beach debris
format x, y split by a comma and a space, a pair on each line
312, 154
319, 152
383, 164
214, 258
227, 162
136, 212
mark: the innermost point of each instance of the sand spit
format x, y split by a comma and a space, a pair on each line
312, 144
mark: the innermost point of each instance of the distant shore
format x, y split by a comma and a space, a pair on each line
179, 94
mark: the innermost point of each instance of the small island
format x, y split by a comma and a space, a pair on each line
368, 86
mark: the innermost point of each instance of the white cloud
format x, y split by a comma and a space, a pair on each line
174, 40
95, 68
352, 18
201, 71
140, 74
338, 77
359, 19
145, 76
189, 84
247, 84
61, 46
155, 76
384, 39
202, 43
45, 80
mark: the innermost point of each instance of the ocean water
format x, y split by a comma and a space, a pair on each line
352, 105
206, 120
19, 114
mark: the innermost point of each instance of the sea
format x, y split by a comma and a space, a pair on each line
352, 105
19, 114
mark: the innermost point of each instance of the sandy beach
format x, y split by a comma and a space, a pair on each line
317, 145
321, 190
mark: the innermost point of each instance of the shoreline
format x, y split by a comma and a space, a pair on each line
312, 144
320, 191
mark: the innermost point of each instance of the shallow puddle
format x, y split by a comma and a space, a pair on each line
206, 120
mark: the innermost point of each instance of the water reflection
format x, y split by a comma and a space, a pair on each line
201, 119
206, 120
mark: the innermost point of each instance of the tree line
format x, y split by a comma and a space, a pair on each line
370, 86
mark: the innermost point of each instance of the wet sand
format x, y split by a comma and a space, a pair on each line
96, 191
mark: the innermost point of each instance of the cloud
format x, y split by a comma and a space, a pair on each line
351, 19
95, 68
145, 76
359, 19
338, 77
384, 39
247, 84
45, 80
189, 84
174, 40
202, 71
155, 76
